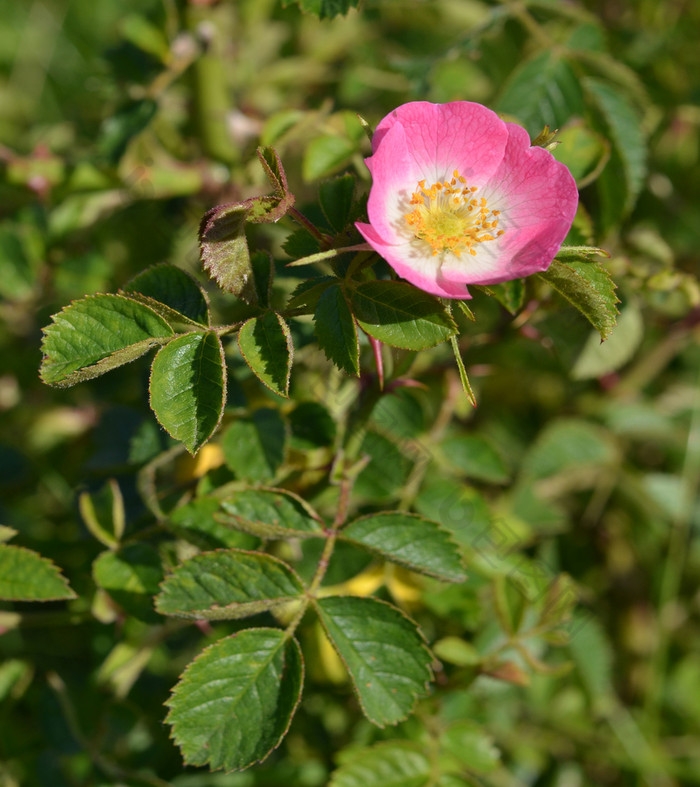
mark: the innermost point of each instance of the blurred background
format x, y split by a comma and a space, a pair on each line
121, 123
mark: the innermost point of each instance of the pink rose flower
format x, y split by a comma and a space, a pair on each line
460, 197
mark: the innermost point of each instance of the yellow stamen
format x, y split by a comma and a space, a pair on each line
449, 217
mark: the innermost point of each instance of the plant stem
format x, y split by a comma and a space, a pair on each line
309, 226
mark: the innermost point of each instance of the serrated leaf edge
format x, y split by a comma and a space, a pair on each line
84, 372
399, 561
282, 530
290, 350
203, 292
452, 325
47, 562
223, 392
423, 644
262, 555
406, 745
168, 703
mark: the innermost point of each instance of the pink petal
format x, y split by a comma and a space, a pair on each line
394, 179
423, 271
537, 197
443, 137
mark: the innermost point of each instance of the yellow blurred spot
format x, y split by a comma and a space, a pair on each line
402, 584
208, 458
333, 668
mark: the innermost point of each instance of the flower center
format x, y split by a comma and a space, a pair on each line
449, 216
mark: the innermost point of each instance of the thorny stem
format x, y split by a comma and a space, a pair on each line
300, 218
349, 472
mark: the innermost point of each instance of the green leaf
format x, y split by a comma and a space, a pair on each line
411, 541
324, 9
589, 287
146, 36
312, 426
224, 249
307, 294
103, 513
276, 175
27, 576
476, 457
300, 243
472, 746
188, 388
336, 331
400, 315
15, 677
384, 652
542, 91
7, 533
336, 198
98, 333
388, 468
324, 155
579, 253
263, 268
598, 359
627, 135
388, 764
583, 151
121, 126
166, 285
254, 447
271, 513
279, 123
226, 585
457, 651
195, 522
509, 294
234, 703
593, 655
568, 444
266, 345
131, 577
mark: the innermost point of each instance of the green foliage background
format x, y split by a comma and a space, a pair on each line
120, 125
